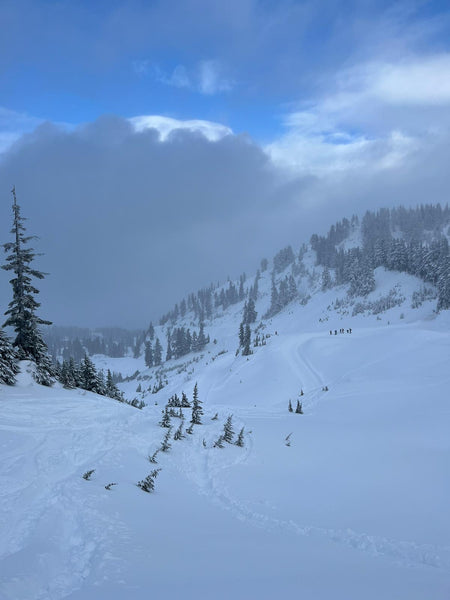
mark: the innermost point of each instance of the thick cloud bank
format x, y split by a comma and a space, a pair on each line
132, 220
129, 223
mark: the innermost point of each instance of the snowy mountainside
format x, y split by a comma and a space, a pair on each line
346, 500
396, 297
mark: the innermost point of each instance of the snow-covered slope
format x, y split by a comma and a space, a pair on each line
353, 506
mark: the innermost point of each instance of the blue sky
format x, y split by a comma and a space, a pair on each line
240, 63
286, 114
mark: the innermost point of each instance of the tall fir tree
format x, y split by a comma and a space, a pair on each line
90, 377
157, 353
21, 313
246, 351
241, 335
148, 354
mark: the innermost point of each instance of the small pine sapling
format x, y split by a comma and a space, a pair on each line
179, 435
190, 429
165, 444
184, 401
290, 407
197, 410
240, 439
148, 484
299, 409
219, 442
152, 458
109, 486
88, 474
165, 421
228, 431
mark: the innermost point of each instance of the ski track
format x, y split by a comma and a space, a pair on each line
405, 553
57, 569
205, 476
61, 562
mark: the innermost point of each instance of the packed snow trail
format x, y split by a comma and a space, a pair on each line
295, 352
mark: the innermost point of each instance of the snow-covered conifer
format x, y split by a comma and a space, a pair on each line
21, 313
240, 439
197, 410
165, 421
228, 431
148, 484
8, 360
165, 444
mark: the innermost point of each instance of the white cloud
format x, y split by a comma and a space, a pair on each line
415, 82
206, 77
13, 125
211, 78
165, 125
374, 117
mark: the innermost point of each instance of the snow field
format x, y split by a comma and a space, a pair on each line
356, 507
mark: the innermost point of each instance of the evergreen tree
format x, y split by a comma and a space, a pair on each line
165, 421
8, 360
169, 352
21, 313
326, 279
148, 484
241, 334
240, 439
219, 442
247, 341
148, 354
178, 435
201, 339
165, 444
157, 353
89, 376
228, 431
184, 401
66, 375
74, 372
101, 382
111, 388
197, 410
298, 408
250, 313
